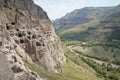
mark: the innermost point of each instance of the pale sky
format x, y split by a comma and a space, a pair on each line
58, 8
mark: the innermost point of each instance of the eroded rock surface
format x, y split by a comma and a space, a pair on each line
26, 34
5, 71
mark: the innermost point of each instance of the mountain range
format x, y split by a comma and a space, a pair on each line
80, 16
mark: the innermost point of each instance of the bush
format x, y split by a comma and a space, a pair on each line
113, 77
108, 72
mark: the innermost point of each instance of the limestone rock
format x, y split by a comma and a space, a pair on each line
26, 34
5, 71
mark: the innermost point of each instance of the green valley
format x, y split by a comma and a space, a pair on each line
96, 42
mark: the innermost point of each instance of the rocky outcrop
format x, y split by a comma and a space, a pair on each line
26, 34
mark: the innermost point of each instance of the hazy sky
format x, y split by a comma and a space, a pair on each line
58, 8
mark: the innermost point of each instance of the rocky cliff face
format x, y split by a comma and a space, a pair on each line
26, 34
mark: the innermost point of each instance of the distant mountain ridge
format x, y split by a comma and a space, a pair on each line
104, 27
80, 16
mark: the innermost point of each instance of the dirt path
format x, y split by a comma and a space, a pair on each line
5, 72
97, 61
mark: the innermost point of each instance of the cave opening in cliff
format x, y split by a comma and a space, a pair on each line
34, 36
21, 41
28, 37
38, 44
13, 23
19, 35
17, 29
7, 27
43, 45
29, 33
0, 43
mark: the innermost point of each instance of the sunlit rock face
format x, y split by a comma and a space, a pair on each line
26, 34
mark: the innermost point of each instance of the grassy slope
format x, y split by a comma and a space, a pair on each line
104, 51
78, 32
99, 51
74, 69
81, 27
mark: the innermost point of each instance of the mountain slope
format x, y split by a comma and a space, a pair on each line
104, 28
80, 16
101, 37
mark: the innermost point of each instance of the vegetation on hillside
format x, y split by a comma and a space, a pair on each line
74, 69
108, 72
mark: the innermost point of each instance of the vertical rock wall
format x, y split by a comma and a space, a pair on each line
26, 33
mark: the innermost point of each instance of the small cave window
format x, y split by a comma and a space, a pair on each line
17, 29
19, 35
5, 6
21, 41
13, 23
38, 44
0, 43
28, 37
7, 27
43, 45
29, 33
15, 59
33, 36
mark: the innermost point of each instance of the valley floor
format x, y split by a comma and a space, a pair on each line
71, 48
99, 58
